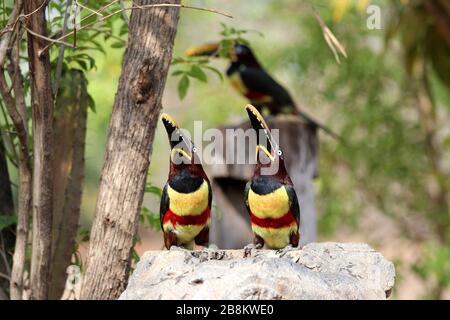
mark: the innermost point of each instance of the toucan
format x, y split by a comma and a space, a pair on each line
186, 197
270, 197
248, 77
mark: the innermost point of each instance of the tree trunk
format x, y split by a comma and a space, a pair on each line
130, 136
15, 105
70, 135
6, 210
42, 114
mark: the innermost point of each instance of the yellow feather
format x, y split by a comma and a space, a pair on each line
193, 203
275, 238
273, 205
185, 233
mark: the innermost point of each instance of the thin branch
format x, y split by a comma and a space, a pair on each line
14, 158
4, 42
182, 6
110, 34
48, 39
95, 12
124, 14
3, 253
43, 4
149, 6
332, 42
5, 276
59, 64
87, 8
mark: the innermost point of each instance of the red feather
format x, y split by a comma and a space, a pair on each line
175, 219
284, 221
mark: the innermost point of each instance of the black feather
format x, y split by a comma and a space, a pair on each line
293, 201
164, 206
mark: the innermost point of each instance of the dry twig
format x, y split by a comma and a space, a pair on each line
149, 6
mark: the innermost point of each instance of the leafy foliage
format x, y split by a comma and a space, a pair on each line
147, 216
198, 67
7, 221
191, 68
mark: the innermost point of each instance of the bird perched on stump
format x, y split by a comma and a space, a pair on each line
186, 197
250, 79
270, 197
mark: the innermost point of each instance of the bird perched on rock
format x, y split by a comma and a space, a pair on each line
186, 197
270, 197
250, 79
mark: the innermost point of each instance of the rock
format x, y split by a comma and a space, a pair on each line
317, 271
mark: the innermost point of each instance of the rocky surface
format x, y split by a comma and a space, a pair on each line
317, 271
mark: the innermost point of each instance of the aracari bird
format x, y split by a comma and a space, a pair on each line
249, 78
186, 197
270, 197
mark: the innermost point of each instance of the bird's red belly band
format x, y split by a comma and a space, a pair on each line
175, 219
284, 221
255, 95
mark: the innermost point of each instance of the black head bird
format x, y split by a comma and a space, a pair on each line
270, 196
186, 199
250, 79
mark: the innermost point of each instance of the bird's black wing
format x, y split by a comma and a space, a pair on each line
209, 194
164, 206
246, 190
258, 80
293, 201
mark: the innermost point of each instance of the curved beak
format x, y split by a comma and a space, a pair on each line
264, 140
207, 49
179, 144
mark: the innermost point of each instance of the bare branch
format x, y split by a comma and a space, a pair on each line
149, 6
109, 34
48, 39
88, 9
3, 254
7, 31
5, 276
17, 112
59, 64
124, 14
332, 42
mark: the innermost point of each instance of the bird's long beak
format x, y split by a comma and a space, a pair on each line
264, 140
179, 144
207, 49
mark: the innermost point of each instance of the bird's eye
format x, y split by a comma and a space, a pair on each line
240, 50
194, 149
279, 153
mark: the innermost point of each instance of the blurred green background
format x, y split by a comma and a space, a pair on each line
383, 186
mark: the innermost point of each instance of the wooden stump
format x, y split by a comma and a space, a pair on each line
300, 147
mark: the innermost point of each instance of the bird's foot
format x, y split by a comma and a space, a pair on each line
212, 247
288, 248
248, 249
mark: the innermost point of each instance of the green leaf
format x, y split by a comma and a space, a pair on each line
7, 221
177, 60
198, 73
82, 64
118, 45
183, 86
91, 103
149, 188
83, 235
178, 72
217, 72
